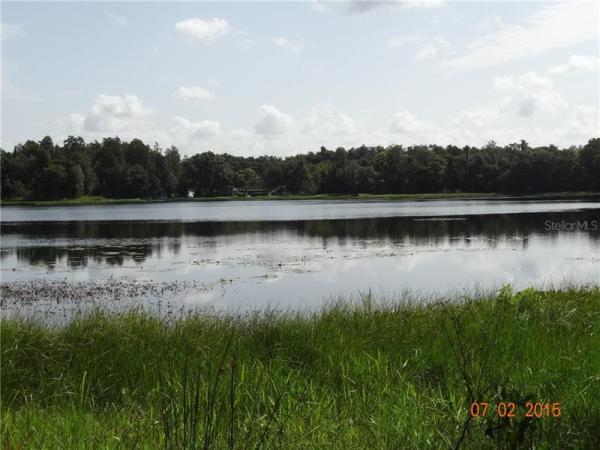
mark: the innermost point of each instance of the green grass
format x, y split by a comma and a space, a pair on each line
93, 200
81, 201
377, 375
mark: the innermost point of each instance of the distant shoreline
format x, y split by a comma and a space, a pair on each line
87, 201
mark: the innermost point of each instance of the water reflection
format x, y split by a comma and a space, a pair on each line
117, 243
76, 257
251, 264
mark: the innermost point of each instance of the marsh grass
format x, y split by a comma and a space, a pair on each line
367, 375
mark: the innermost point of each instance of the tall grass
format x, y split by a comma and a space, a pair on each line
393, 375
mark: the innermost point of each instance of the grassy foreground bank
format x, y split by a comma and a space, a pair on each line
94, 200
400, 375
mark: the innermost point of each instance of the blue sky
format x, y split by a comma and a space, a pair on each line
253, 78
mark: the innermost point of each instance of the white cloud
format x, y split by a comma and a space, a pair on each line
556, 25
426, 51
576, 126
576, 63
76, 121
202, 30
478, 118
528, 93
479, 125
404, 122
431, 49
193, 92
117, 20
426, 48
324, 121
273, 122
111, 113
489, 23
286, 43
241, 134
214, 83
8, 31
360, 6
319, 5
184, 129
277, 133
583, 123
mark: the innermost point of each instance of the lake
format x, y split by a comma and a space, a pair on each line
238, 256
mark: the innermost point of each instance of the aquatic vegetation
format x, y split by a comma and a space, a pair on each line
60, 301
383, 373
32, 291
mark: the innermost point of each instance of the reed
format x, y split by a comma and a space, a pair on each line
380, 374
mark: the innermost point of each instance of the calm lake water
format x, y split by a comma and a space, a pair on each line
240, 256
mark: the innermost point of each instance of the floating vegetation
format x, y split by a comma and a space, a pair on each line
25, 292
58, 301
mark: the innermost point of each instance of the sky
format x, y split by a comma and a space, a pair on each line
281, 78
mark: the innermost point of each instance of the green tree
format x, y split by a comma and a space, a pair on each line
137, 182
50, 184
110, 168
247, 178
173, 170
74, 181
590, 160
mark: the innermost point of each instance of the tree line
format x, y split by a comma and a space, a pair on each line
113, 168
